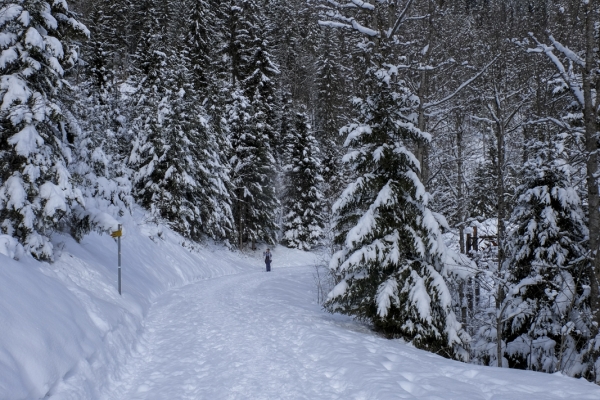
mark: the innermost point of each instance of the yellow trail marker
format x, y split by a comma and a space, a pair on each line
117, 234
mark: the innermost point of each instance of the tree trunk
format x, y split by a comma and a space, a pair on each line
499, 313
460, 192
499, 127
423, 148
591, 147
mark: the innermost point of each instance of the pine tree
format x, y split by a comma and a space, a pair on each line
259, 74
36, 192
102, 145
484, 203
330, 112
251, 118
548, 269
303, 219
180, 177
253, 168
201, 40
391, 266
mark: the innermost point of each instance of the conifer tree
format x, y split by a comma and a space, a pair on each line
180, 176
102, 145
201, 40
36, 191
330, 112
391, 266
259, 74
253, 168
251, 119
303, 218
483, 203
548, 269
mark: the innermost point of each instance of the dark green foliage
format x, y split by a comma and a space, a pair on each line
304, 207
548, 271
390, 266
36, 190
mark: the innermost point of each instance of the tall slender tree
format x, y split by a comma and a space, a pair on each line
303, 207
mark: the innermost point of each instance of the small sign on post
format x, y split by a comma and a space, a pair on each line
117, 234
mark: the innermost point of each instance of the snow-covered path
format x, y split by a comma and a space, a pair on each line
260, 335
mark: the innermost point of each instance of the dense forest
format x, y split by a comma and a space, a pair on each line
445, 153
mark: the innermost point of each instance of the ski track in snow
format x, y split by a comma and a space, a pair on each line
262, 336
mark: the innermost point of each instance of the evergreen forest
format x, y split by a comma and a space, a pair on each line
442, 154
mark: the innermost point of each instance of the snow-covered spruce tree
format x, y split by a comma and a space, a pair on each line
548, 272
251, 118
303, 216
260, 71
102, 145
330, 112
252, 171
180, 177
200, 39
484, 204
392, 267
36, 192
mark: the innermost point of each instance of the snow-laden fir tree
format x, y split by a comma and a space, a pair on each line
484, 204
250, 119
303, 205
102, 145
259, 74
252, 171
392, 266
179, 175
36, 192
200, 40
331, 96
548, 325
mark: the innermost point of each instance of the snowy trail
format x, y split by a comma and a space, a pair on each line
260, 335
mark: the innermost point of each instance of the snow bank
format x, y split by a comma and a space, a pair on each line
65, 329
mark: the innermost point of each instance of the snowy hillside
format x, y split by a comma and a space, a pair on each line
64, 326
211, 324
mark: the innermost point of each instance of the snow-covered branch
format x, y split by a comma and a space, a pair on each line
567, 52
354, 25
364, 4
460, 88
575, 87
400, 19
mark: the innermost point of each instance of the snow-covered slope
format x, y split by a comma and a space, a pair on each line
210, 323
64, 327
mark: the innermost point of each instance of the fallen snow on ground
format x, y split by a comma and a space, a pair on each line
211, 324
64, 330
259, 335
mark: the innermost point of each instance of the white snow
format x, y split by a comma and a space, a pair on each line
34, 39
211, 324
9, 12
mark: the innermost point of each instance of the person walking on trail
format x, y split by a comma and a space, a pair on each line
268, 257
